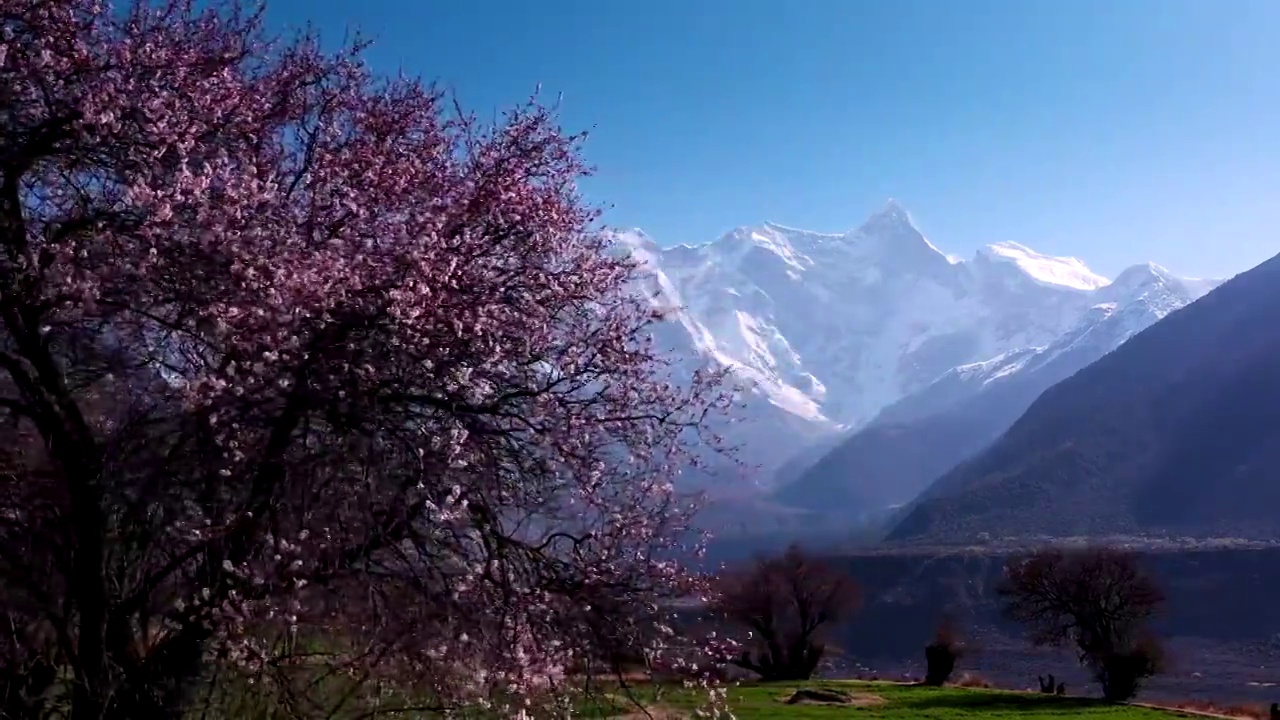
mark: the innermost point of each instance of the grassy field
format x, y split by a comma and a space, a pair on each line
888, 701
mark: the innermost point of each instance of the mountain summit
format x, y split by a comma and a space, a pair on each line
889, 219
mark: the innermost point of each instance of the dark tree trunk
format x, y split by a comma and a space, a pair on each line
940, 662
23, 689
798, 662
162, 684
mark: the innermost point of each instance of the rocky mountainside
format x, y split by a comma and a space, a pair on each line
928, 432
1176, 432
825, 331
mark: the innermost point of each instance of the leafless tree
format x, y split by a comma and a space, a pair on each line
1097, 599
785, 603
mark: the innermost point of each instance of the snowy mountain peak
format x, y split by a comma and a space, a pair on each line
1141, 279
893, 210
1065, 272
892, 219
799, 232
636, 244
1141, 275
891, 237
632, 237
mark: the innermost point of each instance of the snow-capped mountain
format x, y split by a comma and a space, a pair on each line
826, 330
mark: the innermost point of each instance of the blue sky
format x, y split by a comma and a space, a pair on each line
1117, 131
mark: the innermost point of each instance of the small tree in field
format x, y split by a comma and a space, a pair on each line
942, 653
296, 358
1098, 600
785, 603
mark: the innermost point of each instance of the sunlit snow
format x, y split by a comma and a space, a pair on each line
1064, 271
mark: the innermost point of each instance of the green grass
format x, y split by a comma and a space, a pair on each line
902, 702
754, 701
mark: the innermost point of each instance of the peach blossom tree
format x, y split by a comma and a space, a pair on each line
291, 356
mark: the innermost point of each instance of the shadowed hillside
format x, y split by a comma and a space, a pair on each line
891, 461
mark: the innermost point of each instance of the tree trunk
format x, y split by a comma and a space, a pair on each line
89, 592
156, 680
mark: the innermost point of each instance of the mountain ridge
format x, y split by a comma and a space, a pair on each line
825, 330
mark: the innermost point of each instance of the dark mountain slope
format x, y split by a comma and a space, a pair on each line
1175, 432
890, 462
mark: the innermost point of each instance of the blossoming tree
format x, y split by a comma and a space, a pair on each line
292, 357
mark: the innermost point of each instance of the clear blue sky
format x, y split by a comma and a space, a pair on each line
1118, 131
